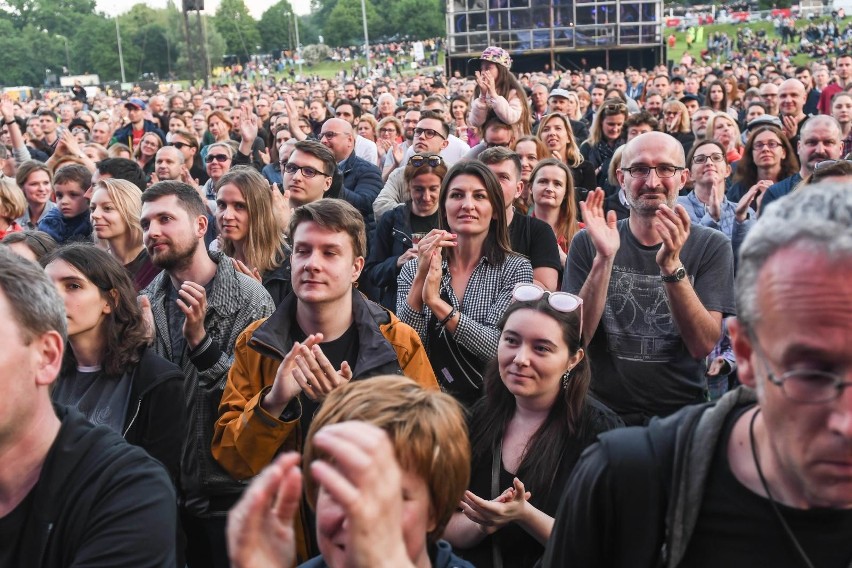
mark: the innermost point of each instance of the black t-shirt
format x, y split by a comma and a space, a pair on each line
344, 348
425, 224
534, 239
11, 527
738, 528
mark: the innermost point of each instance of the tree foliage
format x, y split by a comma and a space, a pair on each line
345, 23
276, 28
237, 27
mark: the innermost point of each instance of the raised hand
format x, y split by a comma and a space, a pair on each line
493, 515
248, 125
260, 526
673, 227
192, 301
285, 387
315, 374
602, 228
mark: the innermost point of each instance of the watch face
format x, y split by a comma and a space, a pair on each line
680, 273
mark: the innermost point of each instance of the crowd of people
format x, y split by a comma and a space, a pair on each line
505, 319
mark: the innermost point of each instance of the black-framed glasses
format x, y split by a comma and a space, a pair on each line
417, 160
307, 171
702, 159
559, 301
615, 107
642, 172
806, 386
180, 145
428, 133
221, 158
387, 130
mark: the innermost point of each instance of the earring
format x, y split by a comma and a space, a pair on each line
566, 376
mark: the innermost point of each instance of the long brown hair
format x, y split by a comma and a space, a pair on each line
566, 224
505, 83
746, 174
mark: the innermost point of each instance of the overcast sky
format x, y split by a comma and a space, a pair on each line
256, 7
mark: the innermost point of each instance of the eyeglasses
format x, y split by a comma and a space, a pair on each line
428, 133
615, 107
387, 130
642, 172
772, 145
221, 158
702, 159
417, 160
180, 145
559, 301
807, 386
307, 171
330, 135
672, 112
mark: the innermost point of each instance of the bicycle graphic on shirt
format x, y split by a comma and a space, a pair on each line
638, 320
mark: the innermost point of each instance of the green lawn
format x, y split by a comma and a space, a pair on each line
730, 29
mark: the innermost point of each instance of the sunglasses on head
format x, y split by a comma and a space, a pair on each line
221, 158
559, 301
417, 160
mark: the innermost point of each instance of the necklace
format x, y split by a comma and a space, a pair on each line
778, 515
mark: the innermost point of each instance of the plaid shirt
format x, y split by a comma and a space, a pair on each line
699, 216
234, 302
486, 297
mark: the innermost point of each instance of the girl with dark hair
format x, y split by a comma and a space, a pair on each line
399, 231
109, 373
768, 157
528, 432
498, 93
455, 291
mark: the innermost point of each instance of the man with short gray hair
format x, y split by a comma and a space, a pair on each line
762, 477
70, 493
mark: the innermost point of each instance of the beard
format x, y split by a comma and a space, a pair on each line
175, 257
645, 208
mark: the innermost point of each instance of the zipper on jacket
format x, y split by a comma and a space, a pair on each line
132, 420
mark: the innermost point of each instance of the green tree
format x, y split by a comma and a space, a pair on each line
236, 25
276, 28
345, 24
421, 19
56, 16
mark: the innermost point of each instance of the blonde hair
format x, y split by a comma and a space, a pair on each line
683, 124
127, 199
427, 429
12, 200
711, 128
571, 153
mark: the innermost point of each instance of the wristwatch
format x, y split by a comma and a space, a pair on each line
676, 276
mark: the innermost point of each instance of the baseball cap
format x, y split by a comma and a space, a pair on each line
135, 103
690, 97
558, 93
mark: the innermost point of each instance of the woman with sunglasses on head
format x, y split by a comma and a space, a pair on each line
109, 372
556, 132
250, 232
531, 150
115, 209
528, 432
399, 231
455, 291
498, 93
606, 134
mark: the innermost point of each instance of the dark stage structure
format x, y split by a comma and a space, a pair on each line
557, 34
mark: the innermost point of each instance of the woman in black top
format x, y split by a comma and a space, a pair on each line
528, 432
109, 373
